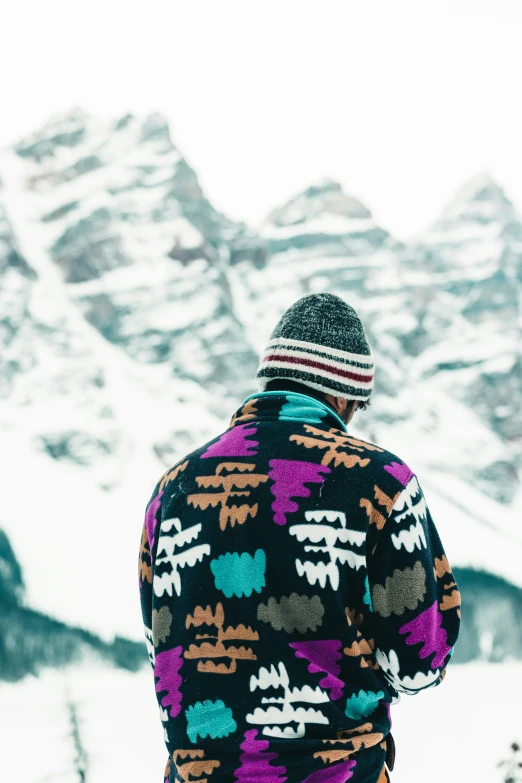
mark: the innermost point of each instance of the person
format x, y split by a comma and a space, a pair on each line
292, 581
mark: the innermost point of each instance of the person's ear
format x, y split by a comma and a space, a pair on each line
340, 404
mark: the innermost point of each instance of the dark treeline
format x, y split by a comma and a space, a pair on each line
31, 640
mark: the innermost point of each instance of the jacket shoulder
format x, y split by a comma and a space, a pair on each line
182, 467
384, 465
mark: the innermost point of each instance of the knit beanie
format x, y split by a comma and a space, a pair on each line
320, 342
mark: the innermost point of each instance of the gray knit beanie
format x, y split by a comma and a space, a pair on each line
320, 341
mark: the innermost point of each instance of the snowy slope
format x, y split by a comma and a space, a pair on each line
133, 314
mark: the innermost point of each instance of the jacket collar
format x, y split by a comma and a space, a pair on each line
286, 406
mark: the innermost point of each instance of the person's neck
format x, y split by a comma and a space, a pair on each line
300, 388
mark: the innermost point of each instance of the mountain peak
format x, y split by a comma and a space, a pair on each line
70, 129
323, 197
480, 187
480, 199
155, 126
323, 185
66, 129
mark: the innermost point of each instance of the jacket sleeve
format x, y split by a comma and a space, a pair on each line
146, 570
146, 556
413, 595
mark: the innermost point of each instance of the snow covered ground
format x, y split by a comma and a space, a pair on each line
460, 729
118, 724
463, 727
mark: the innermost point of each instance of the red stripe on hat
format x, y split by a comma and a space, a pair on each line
354, 376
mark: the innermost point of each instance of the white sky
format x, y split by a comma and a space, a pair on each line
400, 100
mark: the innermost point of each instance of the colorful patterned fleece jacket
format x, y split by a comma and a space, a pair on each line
292, 586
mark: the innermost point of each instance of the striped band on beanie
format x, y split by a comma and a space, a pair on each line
320, 341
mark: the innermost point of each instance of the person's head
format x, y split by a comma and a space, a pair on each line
320, 343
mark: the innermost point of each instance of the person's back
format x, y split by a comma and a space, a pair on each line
292, 585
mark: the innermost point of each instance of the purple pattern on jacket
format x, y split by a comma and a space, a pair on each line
150, 519
166, 667
289, 477
333, 773
323, 655
255, 761
401, 472
427, 628
234, 443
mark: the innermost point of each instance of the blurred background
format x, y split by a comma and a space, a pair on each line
172, 177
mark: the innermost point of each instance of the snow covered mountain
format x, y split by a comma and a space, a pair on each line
475, 272
133, 314
441, 312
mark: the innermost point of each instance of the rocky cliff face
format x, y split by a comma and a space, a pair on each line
139, 247
133, 314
